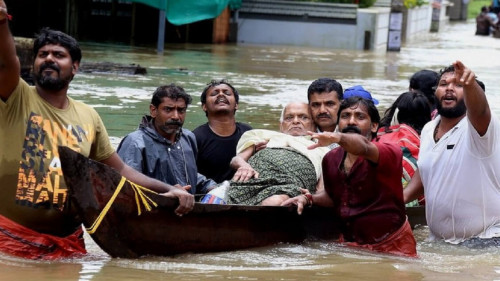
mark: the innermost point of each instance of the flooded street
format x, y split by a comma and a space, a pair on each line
268, 77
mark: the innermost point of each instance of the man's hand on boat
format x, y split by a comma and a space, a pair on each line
186, 187
300, 201
186, 200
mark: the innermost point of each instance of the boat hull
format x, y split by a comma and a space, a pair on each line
159, 232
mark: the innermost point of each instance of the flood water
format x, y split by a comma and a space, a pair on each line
268, 77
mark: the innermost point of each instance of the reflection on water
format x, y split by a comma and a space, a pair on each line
268, 77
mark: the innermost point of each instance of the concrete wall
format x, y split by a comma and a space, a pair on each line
418, 20
275, 32
458, 10
373, 21
376, 21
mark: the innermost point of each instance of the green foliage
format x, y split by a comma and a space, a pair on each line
414, 3
475, 7
366, 3
362, 3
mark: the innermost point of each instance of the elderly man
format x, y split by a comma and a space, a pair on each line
35, 121
459, 163
362, 182
283, 168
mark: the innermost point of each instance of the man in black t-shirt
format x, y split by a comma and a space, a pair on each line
217, 139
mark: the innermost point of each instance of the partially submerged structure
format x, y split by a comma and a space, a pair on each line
285, 22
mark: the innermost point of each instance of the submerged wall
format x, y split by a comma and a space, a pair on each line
338, 26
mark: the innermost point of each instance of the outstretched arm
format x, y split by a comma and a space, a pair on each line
186, 200
321, 198
352, 143
478, 110
9, 63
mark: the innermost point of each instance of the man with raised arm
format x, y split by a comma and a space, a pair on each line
459, 163
34, 222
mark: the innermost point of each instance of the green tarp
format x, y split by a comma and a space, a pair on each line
180, 12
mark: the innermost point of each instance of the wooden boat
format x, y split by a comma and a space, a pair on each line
207, 228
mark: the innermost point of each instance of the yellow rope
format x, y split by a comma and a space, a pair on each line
139, 194
140, 197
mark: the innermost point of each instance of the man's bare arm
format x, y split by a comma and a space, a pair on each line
414, 189
478, 110
9, 63
186, 200
244, 171
352, 143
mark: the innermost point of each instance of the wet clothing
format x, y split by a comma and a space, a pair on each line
409, 141
33, 191
483, 24
23, 242
215, 152
281, 171
173, 163
402, 243
369, 199
461, 178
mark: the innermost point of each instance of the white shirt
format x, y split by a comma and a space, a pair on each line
461, 178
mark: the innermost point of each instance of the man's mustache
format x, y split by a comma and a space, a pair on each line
321, 115
173, 123
351, 129
49, 65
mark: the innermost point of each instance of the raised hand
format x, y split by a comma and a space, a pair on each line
463, 74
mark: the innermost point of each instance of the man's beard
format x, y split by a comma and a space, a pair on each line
452, 112
48, 82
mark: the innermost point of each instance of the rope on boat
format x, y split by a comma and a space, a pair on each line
140, 197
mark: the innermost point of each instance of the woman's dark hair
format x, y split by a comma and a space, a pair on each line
413, 109
425, 81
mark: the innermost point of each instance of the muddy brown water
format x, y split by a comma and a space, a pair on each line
268, 77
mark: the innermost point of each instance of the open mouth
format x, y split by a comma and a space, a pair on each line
447, 99
221, 100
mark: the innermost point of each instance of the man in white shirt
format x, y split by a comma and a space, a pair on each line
459, 163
